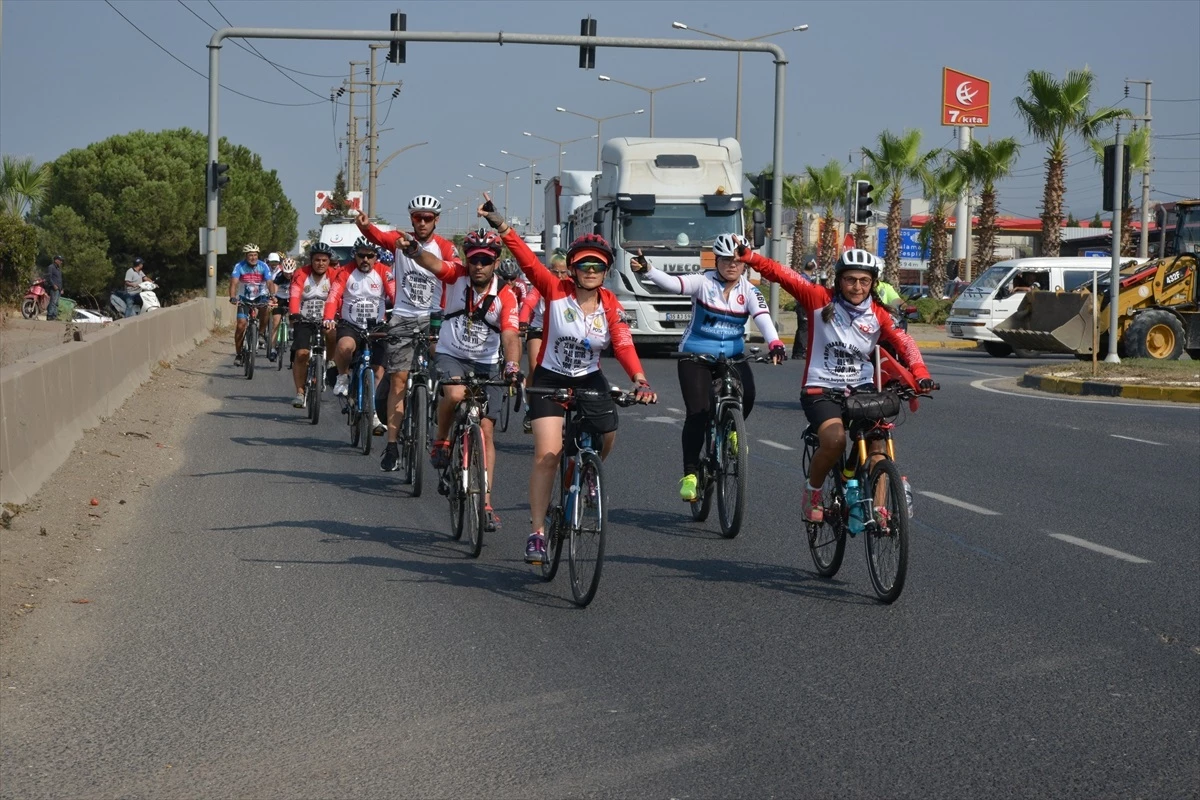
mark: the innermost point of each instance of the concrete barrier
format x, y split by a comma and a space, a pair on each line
50, 398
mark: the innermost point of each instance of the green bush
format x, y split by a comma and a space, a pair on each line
933, 311
18, 252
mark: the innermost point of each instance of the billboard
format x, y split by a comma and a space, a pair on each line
966, 100
912, 256
325, 195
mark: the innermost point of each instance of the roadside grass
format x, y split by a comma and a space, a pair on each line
1184, 372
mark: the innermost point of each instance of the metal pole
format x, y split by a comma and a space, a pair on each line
962, 217
210, 257
1144, 239
599, 139
1114, 288
351, 138
529, 227
651, 115
371, 141
777, 184
737, 113
506, 196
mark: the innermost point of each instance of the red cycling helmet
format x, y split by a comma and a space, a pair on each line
482, 241
590, 245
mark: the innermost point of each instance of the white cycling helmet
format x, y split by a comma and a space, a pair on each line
425, 202
859, 259
273, 258
250, 248
288, 266
726, 245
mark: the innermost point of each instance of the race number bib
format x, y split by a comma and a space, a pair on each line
313, 308
364, 311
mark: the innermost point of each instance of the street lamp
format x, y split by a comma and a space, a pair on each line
599, 121
651, 91
374, 174
506, 172
737, 129
559, 144
490, 184
532, 165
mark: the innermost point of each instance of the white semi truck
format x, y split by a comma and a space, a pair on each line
669, 198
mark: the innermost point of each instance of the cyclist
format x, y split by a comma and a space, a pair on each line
309, 290
416, 299
281, 275
532, 313
722, 301
581, 319
359, 296
251, 281
845, 323
479, 318
379, 357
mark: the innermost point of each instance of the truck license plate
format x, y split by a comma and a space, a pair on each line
955, 329
679, 316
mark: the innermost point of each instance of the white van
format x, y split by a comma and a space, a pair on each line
341, 237
997, 293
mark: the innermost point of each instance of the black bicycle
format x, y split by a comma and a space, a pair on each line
359, 402
414, 427
314, 379
579, 502
250, 339
725, 461
464, 481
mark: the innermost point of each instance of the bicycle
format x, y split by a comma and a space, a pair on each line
725, 460
283, 336
359, 402
249, 340
414, 427
514, 396
464, 481
882, 508
581, 513
314, 379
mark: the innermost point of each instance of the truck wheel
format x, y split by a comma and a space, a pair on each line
997, 349
1155, 334
1194, 353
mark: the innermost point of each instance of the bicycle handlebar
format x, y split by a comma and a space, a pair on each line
568, 397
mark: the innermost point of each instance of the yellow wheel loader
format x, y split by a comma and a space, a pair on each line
1158, 306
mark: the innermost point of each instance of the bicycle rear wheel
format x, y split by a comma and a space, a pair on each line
476, 490
887, 534
316, 374
414, 437
827, 540
505, 411
281, 337
456, 495
704, 491
366, 396
585, 551
553, 529
733, 457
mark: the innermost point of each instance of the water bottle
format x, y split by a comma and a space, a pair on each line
853, 503
908, 496
572, 498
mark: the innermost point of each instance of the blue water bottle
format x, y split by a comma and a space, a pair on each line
853, 502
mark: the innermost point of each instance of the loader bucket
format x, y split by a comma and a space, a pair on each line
1050, 322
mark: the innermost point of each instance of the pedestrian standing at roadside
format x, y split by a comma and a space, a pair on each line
54, 284
133, 281
800, 344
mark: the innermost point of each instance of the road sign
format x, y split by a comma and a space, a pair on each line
219, 243
910, 244
353, 199
966, 100
1095, 253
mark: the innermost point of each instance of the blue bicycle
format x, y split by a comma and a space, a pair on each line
359, 402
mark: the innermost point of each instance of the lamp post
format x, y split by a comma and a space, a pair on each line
737, 126
375, 170
651, 91
490, 184
506, 172
560, 145
599, 121
532, 165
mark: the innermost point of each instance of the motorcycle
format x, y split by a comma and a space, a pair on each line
144, 301
37, 299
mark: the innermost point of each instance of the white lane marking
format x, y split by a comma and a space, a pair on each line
950, 501
676, 411
665, 420
1099, 548
1132, 439
979, 384
776, 445
948, 365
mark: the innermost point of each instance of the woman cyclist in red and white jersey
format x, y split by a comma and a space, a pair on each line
533, 311
309, 291
845, 324
581, 319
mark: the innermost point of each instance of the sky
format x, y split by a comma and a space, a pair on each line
74, 72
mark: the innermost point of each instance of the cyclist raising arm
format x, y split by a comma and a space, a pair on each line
845, 324
722, 301
581, 319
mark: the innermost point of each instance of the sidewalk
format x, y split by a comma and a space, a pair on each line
928, 337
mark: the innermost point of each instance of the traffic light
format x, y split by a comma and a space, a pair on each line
396, 50
1110, 179
217, 177
763, 188
862, 202
587, 54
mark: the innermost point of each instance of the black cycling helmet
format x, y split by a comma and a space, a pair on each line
363, 243
508, 270
320, 247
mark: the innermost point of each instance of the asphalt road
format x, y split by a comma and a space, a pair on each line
290, 623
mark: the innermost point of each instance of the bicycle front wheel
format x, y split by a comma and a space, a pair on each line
887, 533
476, 490
414, 437
316, 374
554, 529
281, 337
456, 495
585, 551
827, 540
366, 407
249, 348
733, 462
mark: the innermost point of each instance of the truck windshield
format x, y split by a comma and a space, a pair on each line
677, 225
1189, 230
990, 280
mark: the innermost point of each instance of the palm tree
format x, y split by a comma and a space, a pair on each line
982, 165
896, 161
22, 185
796, 196
827, 187
1053, 111
942, 184
1137, 144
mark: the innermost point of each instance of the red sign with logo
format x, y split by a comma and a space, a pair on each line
966, 100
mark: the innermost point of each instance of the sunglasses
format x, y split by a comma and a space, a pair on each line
423, 217
367, 256
590, 266
481, 261
860, 281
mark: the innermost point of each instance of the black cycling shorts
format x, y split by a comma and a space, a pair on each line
304, 335
533, 333
819, 408
599, 414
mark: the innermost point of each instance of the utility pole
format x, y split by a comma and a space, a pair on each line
962, 215
1144, 239
372, 130
1118, 193
353, 183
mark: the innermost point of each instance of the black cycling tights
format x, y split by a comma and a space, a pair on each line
695, 382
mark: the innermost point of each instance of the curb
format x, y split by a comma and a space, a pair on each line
1174, 394
923, 344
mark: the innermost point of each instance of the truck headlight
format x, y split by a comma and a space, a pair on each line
631, 317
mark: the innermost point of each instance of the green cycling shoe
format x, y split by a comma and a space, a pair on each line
687, 487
